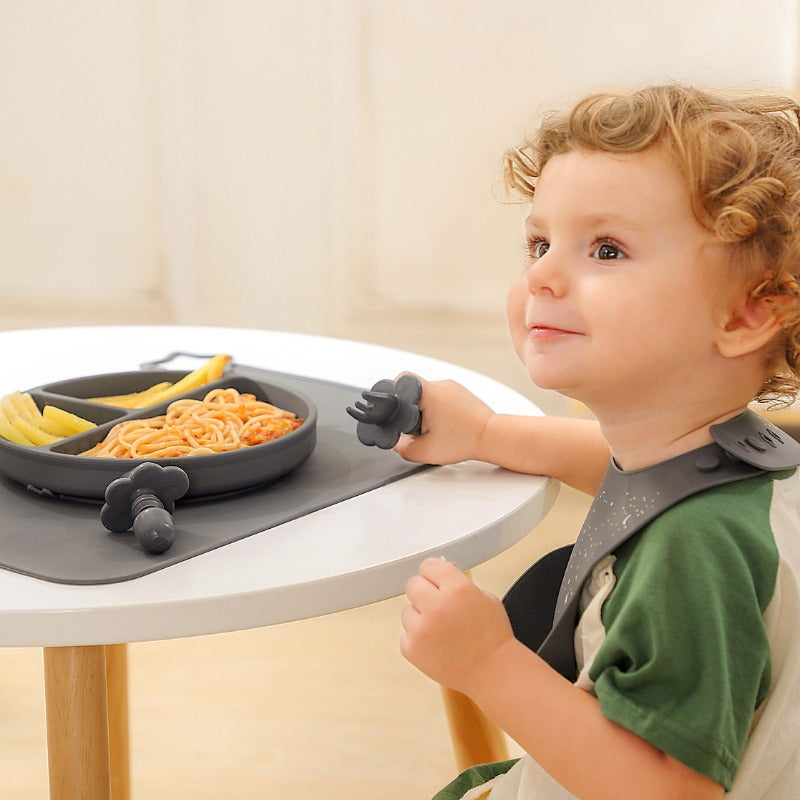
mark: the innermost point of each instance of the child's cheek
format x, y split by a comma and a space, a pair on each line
515, 313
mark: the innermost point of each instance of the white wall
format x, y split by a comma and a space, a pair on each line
78, 186
305, 164
451, 84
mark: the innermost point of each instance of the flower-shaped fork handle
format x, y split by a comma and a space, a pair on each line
388, 409
144, 499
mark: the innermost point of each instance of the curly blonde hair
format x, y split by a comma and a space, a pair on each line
741, 159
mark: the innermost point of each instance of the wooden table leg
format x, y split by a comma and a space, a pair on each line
476, 739
118, 741
77, 722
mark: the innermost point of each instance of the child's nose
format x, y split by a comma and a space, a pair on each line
547, 274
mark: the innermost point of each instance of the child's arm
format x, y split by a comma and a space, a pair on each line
457, 426
461, 637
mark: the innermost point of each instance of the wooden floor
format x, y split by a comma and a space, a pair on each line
325, 707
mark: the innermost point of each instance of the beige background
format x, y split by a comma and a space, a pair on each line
328, 166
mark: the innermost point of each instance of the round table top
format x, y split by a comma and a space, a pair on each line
326, 561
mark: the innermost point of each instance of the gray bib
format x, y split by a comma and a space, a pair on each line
543, 603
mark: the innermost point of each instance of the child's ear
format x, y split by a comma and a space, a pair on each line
750, 326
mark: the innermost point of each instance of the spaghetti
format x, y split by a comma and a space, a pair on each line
222, 421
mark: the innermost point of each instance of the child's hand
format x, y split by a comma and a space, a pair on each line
453, 422
452, 628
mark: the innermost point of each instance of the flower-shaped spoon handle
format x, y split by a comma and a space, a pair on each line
144, 499
388, 409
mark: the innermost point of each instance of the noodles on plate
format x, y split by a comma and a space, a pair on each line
222, 421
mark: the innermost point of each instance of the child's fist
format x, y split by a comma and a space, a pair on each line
451, 626
453, 422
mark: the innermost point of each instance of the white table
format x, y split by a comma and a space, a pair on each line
324, 562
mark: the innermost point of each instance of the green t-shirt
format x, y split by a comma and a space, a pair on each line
686, 657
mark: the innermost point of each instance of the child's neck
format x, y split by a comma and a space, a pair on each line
663, 421
639, 440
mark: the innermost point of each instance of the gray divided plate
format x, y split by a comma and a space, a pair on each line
59, 469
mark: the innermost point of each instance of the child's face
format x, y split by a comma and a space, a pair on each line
614, 304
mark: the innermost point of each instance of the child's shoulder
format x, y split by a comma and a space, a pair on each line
743, 504
720, 535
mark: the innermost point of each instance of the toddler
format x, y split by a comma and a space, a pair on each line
659, 289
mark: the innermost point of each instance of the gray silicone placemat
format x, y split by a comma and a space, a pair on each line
63, 541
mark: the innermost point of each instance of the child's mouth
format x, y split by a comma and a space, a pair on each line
546, 332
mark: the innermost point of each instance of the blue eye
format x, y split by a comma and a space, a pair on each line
606, 251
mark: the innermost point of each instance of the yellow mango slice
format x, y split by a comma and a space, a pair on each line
8, 431
16, 400
33, 415
34, 434
133, 398
214, 366
72, 422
